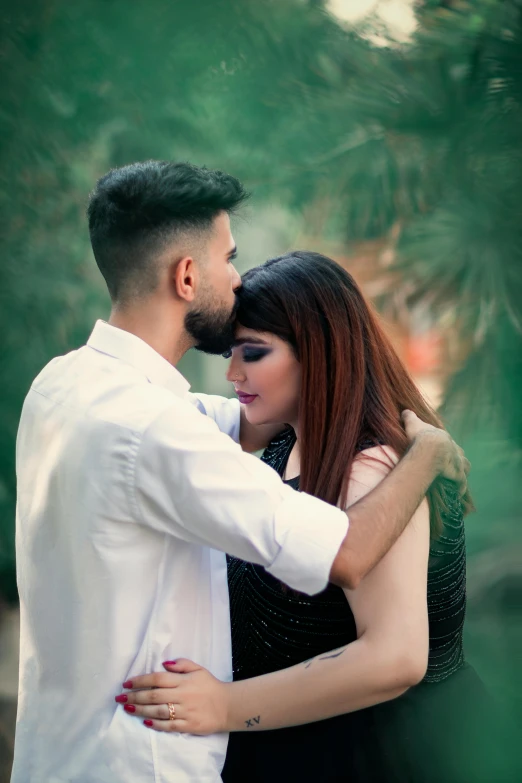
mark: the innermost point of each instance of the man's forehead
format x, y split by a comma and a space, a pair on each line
222, 231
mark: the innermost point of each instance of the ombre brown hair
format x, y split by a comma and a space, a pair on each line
353, 386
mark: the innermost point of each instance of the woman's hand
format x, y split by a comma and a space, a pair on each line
198, 699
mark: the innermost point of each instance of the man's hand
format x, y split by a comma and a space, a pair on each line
453, 463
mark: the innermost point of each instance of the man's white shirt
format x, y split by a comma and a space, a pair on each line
128, 496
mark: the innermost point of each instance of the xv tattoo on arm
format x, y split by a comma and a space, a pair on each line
310, 661
250, 722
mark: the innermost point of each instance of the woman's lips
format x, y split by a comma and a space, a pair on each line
246, 399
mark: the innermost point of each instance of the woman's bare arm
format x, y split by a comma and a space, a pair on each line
391, 651
389, 656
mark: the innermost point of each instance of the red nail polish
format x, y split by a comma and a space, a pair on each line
121, 699
169, 663
129, 708
127, 684
147, 722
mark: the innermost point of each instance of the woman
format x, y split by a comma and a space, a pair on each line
376, 674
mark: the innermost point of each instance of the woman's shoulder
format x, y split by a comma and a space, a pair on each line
370, 466
378, 457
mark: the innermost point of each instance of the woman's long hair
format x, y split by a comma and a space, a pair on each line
353, 387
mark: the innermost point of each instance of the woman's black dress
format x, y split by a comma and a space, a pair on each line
434, 733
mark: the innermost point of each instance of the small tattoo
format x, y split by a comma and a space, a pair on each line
250, 723
334, 655
310, 661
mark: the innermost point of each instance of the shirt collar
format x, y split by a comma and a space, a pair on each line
123, 345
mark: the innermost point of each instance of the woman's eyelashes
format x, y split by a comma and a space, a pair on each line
254, 354
249, 354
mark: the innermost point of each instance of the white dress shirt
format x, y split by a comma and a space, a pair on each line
127, 499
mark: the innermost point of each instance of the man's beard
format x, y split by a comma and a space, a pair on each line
213, 330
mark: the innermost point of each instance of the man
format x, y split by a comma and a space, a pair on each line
129, 495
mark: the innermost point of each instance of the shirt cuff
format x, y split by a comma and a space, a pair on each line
310, 533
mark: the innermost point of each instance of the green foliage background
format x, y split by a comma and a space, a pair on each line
425, 136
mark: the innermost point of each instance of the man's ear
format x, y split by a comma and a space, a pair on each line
184, 278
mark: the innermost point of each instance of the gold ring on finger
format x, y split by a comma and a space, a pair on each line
172, 711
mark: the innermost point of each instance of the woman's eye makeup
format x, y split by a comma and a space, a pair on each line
249, 353
254, 354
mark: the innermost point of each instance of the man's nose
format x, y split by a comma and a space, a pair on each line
236, 279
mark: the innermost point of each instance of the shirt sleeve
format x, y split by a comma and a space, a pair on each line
224, 411
193, 482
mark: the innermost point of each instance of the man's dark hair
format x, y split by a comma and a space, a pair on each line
136, 210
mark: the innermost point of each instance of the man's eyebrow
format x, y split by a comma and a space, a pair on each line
232, 253
245, 340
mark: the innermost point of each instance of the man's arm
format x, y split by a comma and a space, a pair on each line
378, 519
189, 480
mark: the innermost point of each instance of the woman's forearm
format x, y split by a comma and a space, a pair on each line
351, 678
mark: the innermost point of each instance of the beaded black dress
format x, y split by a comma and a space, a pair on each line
431, 734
